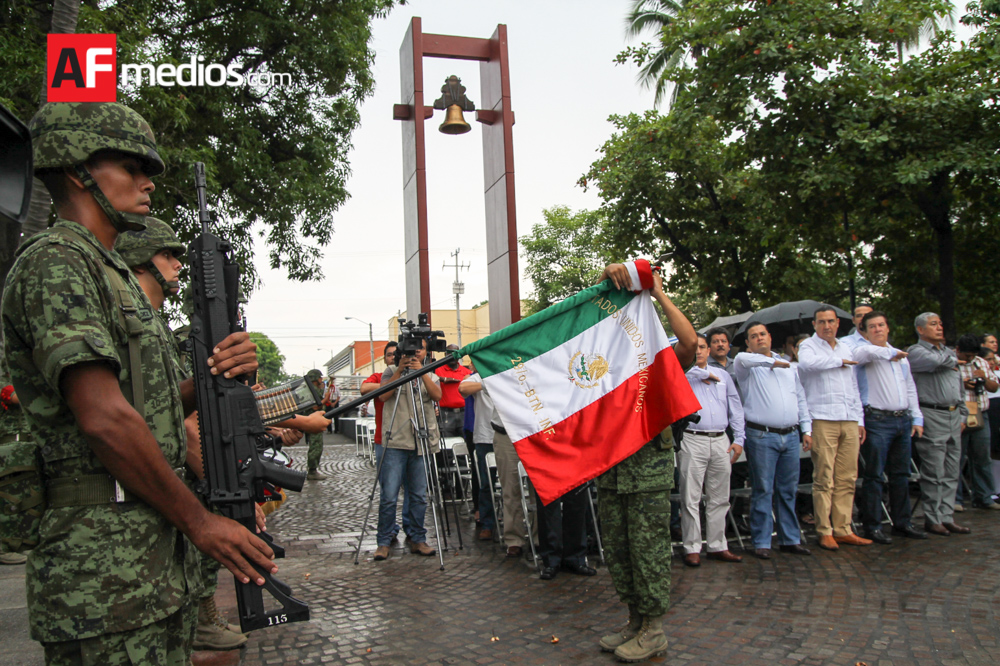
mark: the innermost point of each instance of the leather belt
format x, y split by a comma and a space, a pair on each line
886, 412
944, 408
776, 431
707, 433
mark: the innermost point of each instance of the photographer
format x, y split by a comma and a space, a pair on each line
978, 379
400, 456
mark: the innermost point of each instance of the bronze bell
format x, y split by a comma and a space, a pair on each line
454, 122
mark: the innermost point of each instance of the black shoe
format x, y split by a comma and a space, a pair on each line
548, 573
878, 536
795, 549
579, 569
762, 553
676, 534
909, 531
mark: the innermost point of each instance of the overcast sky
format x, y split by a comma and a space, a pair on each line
564, 85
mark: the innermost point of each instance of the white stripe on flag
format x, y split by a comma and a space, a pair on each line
633, 273
537, 395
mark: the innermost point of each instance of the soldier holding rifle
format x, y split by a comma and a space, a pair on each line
110, 579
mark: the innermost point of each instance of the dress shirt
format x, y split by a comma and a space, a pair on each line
831, 387
729, 368
935, 374
720, 403
482, 431
772, 397
890, 383
855, 340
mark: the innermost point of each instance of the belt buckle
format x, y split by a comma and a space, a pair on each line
952, 408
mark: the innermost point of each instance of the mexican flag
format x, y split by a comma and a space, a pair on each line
585, 383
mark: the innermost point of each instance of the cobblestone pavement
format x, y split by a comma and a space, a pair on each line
911, 603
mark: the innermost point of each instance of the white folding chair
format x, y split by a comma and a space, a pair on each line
591, 489
496, 494
527, 502
463, 464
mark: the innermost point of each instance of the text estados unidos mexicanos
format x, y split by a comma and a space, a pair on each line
631, 328
197, 73
635, 335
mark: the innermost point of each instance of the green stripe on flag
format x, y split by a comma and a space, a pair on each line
544, 330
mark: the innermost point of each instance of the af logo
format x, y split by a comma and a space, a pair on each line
586, 370
82, 68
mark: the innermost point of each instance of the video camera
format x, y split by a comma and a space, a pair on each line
411, 336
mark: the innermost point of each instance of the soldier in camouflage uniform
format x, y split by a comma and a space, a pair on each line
315, 439
110, 579
155, 255
634, 505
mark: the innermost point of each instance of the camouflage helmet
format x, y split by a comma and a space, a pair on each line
64, 134
314, 375
137, 248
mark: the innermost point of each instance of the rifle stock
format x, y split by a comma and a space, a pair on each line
229, 420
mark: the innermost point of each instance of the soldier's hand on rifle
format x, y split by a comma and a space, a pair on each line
232, 545
235, 355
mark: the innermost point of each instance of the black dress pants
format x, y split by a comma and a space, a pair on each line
562, 529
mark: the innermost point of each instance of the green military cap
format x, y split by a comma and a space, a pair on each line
137, 248
64, 134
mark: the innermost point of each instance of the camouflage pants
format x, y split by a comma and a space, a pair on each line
209, 570
636, 532
164, 643
315, 442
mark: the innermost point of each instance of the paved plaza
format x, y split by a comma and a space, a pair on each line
911, 603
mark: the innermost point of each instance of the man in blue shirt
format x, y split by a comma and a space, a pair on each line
776, 412
706, 459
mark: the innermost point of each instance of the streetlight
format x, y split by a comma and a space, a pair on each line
371, 341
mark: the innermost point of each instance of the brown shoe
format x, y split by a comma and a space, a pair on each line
381, 553
421, 549
692, 560
486, 535
936, 528
827, 542
852, 540
514, 551
956, 529
724, 556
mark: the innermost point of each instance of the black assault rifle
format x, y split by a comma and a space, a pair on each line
228, 418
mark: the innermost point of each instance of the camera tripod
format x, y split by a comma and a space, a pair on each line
418, 422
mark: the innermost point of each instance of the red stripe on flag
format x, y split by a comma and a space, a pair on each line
645, 272
598, 437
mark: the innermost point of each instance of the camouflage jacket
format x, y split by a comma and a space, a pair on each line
649, 469
111, 567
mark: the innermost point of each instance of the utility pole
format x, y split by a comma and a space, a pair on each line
458, 288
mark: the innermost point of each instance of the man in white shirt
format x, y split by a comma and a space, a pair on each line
831, 388
892, 418
776, 413
706, 457
482, 439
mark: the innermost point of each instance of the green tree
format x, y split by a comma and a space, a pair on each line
276, 155
270, 361
564, 254
857, 154
653, 16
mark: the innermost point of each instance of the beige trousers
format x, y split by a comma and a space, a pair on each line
513, 515
835, 471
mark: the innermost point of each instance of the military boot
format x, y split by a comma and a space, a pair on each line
213, 632
626, 633
648, 642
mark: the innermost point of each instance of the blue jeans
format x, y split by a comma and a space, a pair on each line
976, 449
399, 466
774, 475
485, 502
886, 449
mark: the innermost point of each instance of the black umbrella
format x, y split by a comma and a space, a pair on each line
785, 319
